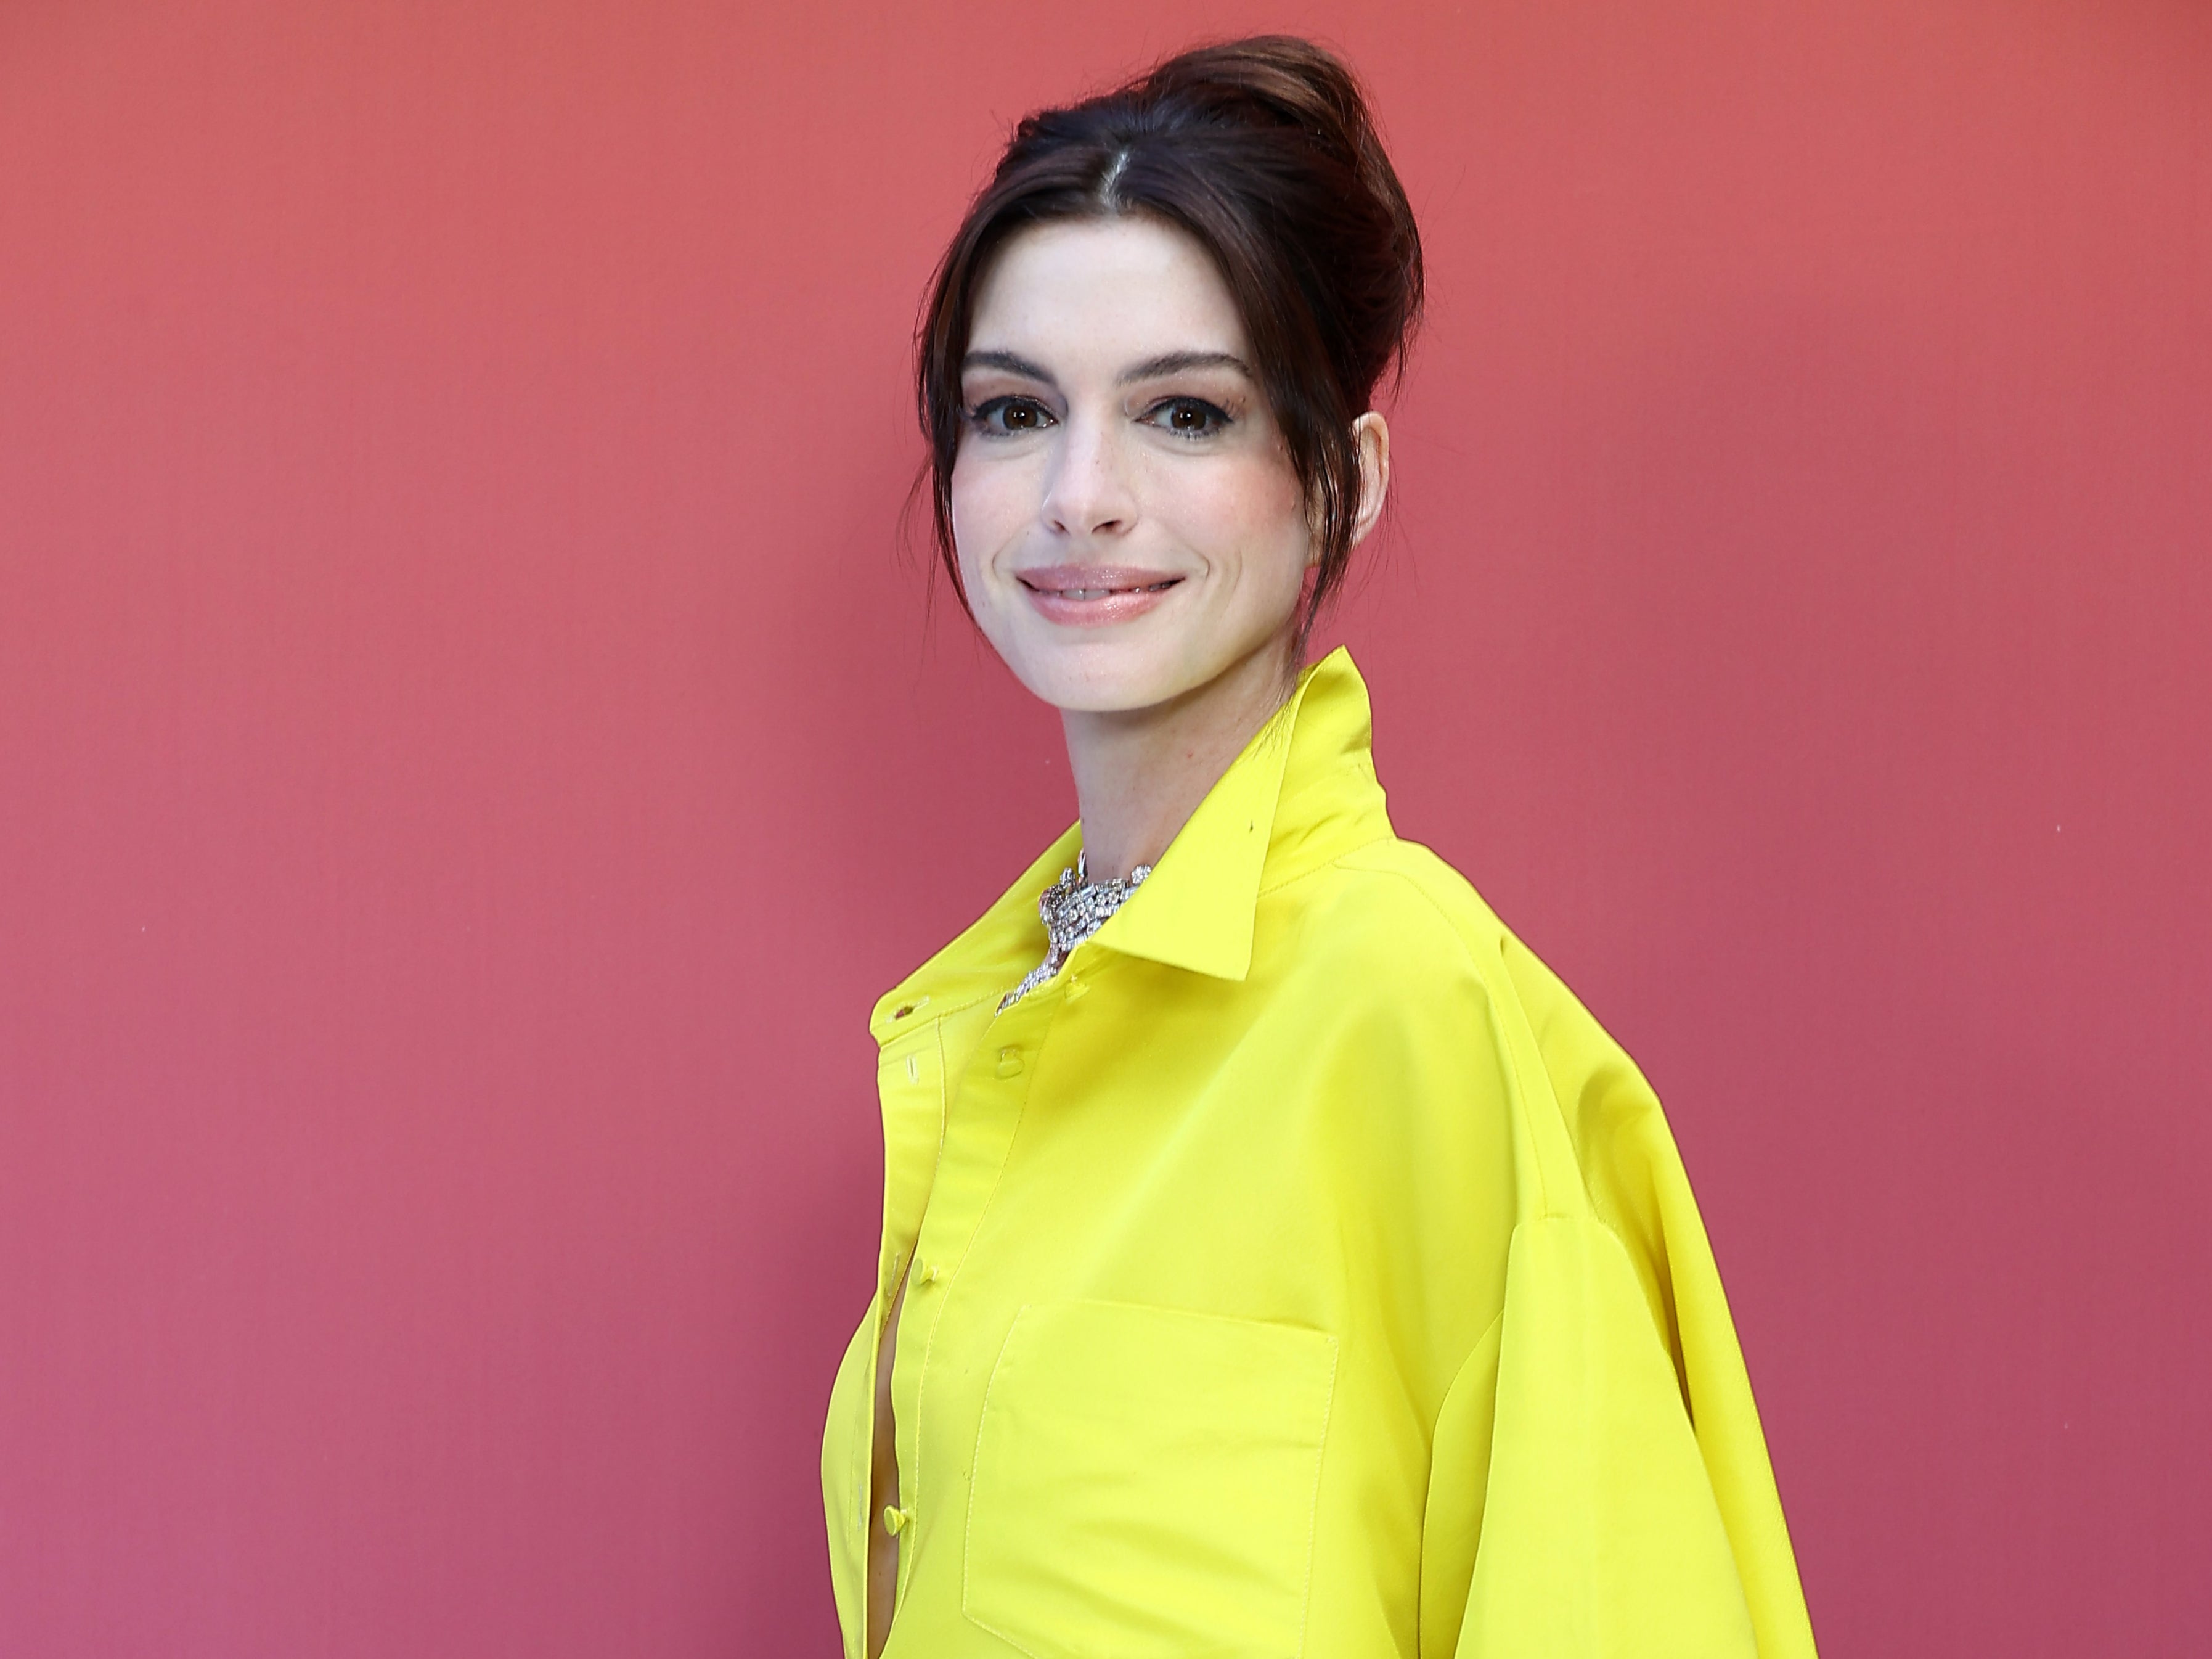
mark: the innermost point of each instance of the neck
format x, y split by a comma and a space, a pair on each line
1140, 774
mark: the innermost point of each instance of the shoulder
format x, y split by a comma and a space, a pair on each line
1421, 965
1389, 948
1431, 920
1404, 937
1395, 911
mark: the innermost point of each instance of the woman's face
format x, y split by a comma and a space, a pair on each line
1129, 524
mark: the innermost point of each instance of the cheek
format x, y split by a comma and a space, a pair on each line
990, 504
1252, 513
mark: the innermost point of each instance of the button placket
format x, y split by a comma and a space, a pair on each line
983, 1111
911, 1082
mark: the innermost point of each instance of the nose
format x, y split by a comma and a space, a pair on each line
1087, 493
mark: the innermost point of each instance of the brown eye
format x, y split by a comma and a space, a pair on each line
1007, 417
1190, 417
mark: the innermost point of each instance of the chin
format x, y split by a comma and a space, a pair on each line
1101, 678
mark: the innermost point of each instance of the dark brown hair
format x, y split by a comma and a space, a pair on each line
1264, 151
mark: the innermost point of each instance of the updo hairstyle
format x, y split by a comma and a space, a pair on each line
1263, 151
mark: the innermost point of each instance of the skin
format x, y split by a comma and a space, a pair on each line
1135, 544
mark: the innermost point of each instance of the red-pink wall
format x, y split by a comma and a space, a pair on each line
470, 752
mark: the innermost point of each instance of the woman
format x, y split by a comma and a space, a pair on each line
1276, 1259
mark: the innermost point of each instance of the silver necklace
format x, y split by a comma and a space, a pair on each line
1073, 909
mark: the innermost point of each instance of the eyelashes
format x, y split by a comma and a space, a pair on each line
1010, 417
1190, 417
1015, 416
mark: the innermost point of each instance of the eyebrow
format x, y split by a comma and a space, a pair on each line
1175, 362
1010, 363
1168, 362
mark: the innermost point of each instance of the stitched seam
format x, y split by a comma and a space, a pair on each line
1421, 1557
975, 1463
944, 1116
936, 1038
1497, 1004
936, 1019
1313, 1507
945, 1296
1473, 1349
1331, 863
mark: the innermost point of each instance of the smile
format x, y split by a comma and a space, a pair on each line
1101, 593
1088, 596
1094, 584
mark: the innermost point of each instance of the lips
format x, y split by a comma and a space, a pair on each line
1094, 581
1080, 595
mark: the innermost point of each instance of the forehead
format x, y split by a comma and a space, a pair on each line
1125, 287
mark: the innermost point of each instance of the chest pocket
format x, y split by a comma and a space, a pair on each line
1145, 1483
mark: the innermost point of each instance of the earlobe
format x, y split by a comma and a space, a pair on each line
1372, 433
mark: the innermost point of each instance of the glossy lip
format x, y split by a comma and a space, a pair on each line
1110, 593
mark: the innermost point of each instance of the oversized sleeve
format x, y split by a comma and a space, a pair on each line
1599, 1482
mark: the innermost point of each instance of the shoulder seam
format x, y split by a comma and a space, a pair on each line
1334, 862
1528, 1096
1428, 899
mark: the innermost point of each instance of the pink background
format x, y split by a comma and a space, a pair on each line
471, 750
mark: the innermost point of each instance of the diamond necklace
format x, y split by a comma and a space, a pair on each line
1073, 909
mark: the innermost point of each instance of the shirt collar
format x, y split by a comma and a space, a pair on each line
1303, 792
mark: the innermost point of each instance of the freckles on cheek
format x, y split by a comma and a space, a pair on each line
989, 507
1258, 505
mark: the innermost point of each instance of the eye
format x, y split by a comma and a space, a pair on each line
1188, 417
1008, 417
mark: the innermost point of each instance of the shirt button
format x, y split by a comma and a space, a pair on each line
1009, 1063
932, 1273
895, 1519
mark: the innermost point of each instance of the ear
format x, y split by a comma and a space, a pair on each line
1372, 434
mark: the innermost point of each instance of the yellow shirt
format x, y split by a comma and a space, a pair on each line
1301, 1273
